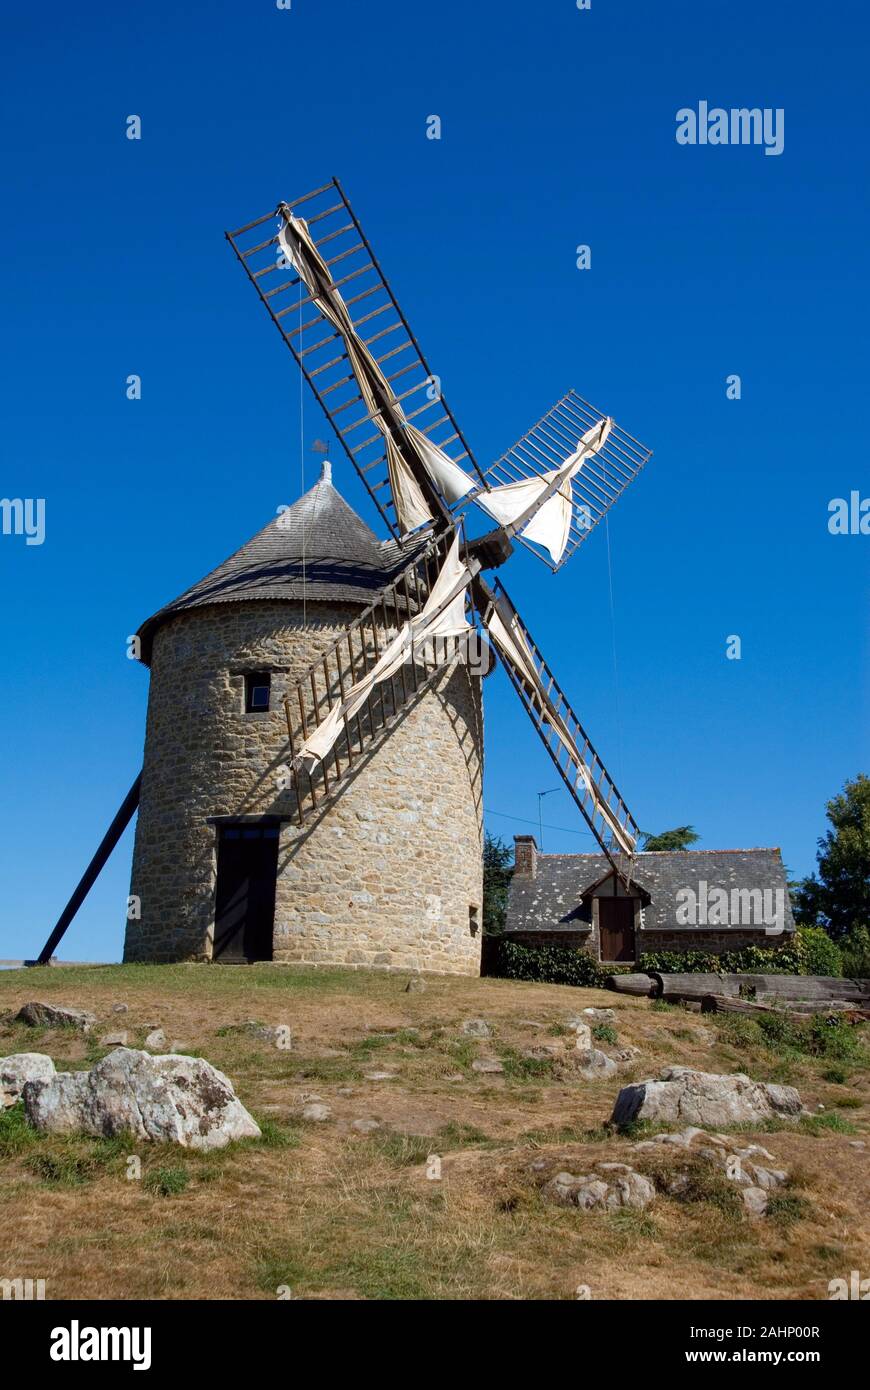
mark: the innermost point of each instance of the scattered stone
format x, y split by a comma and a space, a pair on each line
476, 1028
114, 1040
366, 1126
156, 1040
120, 1008
345, 1090
416, 985
488, 1065
530, 1023
626, 1054
309, 1095
584, 1037
853, 1143
381, 1076
178, 1046
179, 1100
38, 1015
755, 1200
544, 1052
593, 1064
316, 1111
455, 1076
20, 1068
703, 1098
276, 1034
599, 1015
626, 1188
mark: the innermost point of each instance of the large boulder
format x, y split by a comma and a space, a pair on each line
20, 1068
40, 1015
168, 1099
684, 1096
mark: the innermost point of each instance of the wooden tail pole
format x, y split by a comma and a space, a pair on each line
92, 872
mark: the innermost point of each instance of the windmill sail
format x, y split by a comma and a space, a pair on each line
563, 735
329, 299
592, 484
442, 616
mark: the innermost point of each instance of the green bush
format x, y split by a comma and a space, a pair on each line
751, 960
553, 965
855, 954
819, 955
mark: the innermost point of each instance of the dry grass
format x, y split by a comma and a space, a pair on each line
329, 1213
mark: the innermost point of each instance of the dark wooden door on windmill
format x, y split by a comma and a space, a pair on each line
616, 928
247, 871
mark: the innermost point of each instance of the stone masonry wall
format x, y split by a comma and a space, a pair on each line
388, 875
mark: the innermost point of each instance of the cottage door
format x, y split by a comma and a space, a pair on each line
247, 871
616, 928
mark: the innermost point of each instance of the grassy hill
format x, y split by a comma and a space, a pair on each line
326, 1211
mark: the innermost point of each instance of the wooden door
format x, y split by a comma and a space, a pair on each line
247, 872
616, 928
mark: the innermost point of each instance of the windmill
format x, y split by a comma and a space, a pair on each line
320, 281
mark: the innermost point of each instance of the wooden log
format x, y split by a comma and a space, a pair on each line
730, 1004
631, 984
693, 987
796, 1011
807, 986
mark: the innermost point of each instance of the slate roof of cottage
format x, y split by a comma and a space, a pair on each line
552, 901
318, 548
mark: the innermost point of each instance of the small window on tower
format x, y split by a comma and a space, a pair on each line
257, 691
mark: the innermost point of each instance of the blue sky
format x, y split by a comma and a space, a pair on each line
558, 128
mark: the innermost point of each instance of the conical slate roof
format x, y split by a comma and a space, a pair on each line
318, 548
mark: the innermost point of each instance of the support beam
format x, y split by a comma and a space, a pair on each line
92, 872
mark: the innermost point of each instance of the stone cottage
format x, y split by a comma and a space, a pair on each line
684, 900
388, 873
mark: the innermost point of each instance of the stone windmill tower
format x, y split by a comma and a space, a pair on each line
312, 781
389, 873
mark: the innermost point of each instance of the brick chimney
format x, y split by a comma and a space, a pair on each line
526, 856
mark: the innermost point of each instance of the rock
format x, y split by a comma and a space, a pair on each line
345, 1091
19, 1068
120, 1008
276, 1034
38, 1015
857, 1144
598, 1015
487, 1065
316, 1111
594, 1064
156, 1040
622, 1187
114, 1040
476, 1028
416, 985
178, 1100
584, 1037
703, 1098
365, 1126
543, 1052
381, 1076
626, 1054
755, 1200
178, 1046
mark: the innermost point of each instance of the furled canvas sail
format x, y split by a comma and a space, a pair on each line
452, 482
550, 525
442, 616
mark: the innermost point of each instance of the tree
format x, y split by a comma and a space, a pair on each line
837, 895
497, 870
679, 838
